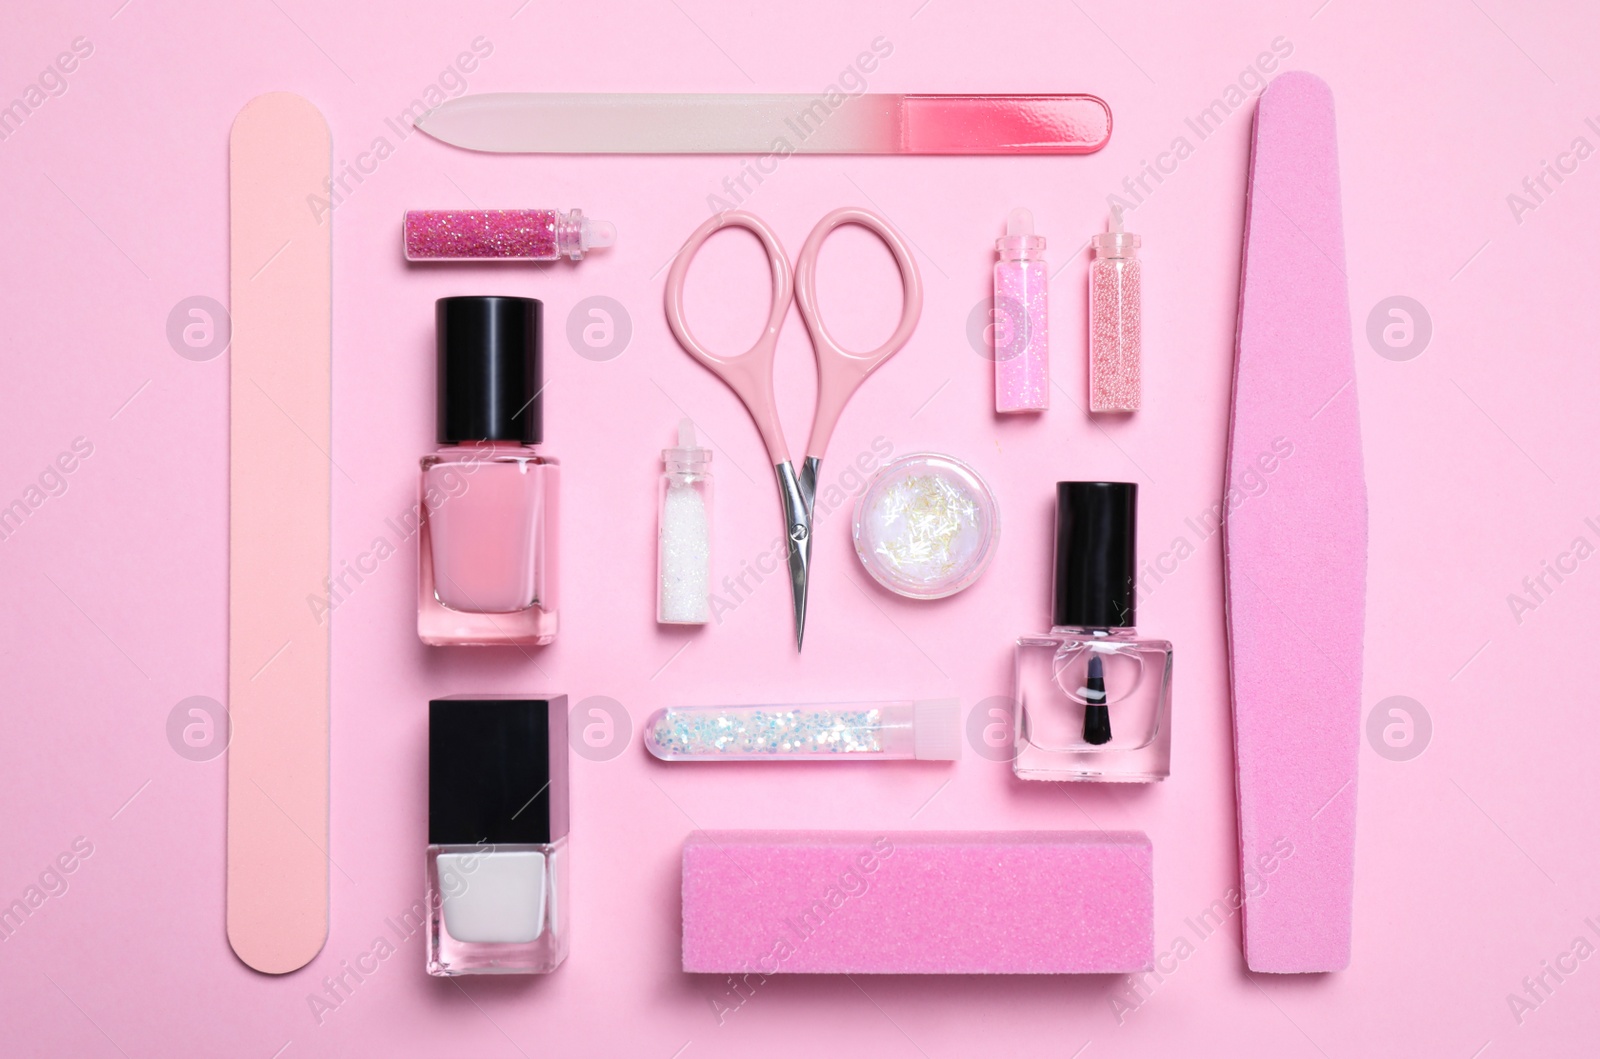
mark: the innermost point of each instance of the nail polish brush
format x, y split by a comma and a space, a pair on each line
1096, 719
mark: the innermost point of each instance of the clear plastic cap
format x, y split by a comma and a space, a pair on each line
576, 234
686, 455
937, 726
1020, 240
597, 234
1114, 242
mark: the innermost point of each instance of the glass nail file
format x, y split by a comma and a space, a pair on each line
826, 123
925, 729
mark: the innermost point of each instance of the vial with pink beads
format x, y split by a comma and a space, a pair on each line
1114, 332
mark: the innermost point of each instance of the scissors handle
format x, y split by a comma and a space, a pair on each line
748, 374
840, 371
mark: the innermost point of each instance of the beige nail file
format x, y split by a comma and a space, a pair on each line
280, 155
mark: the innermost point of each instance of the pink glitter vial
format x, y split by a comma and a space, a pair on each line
1021, 319
1114, 333
505, 235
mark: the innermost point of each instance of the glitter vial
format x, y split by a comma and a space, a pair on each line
922, 729
489, 493
1021, 319
497, 835
683, 553
503, 235
1093, 700
1114, 327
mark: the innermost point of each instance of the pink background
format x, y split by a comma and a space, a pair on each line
1476, 859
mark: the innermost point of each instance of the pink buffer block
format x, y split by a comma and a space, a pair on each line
866, 902
1296, 555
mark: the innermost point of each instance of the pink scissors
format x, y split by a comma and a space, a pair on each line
839, 371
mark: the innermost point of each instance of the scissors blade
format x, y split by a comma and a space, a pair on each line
797, 529
808, 474
809, 471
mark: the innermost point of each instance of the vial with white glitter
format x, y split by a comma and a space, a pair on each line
683, 557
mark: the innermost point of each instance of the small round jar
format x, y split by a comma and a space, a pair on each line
926, 526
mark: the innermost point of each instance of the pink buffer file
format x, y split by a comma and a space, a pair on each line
1296, 555
866, 902
279, 543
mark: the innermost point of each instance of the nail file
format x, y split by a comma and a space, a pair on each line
1296, 555
767, 125
927, 902
280, 155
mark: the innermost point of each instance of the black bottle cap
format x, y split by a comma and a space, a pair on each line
491, 369
497, 770
1096, 554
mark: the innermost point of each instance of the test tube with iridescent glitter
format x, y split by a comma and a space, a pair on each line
1114, 331
1021, 319
924, 729
503, 235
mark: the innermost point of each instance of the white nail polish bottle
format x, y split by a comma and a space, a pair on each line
497, 835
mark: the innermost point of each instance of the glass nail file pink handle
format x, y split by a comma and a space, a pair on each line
826, 123
926, 729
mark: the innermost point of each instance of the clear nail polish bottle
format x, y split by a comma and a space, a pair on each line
490, 496
497, 835
1093, 699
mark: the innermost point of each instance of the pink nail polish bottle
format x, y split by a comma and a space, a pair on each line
1114, 328
1021, 319
489, 495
